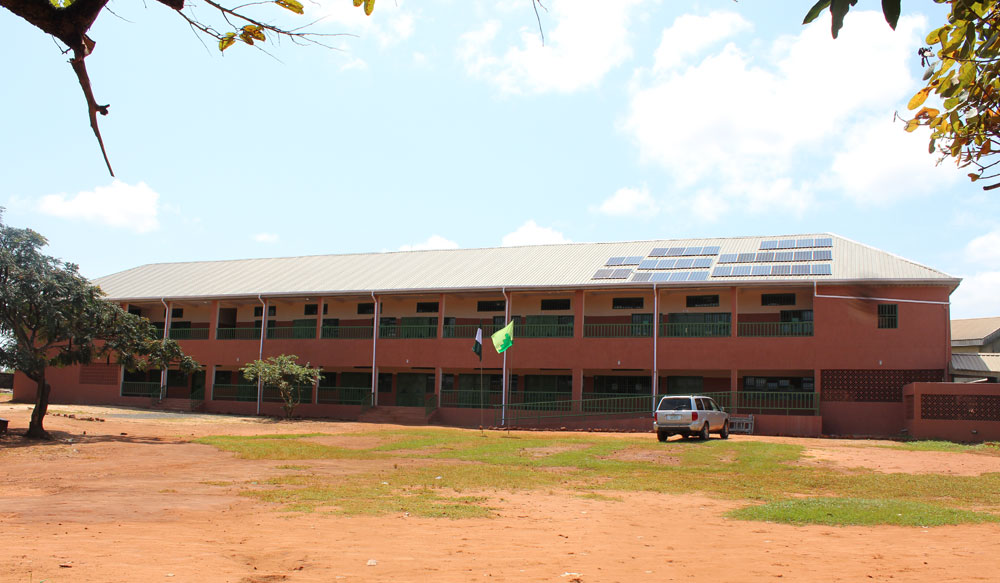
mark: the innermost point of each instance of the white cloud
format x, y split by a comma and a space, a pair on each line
737, 131
530, 233
690, 35
390, 24
266, 238
432, 242
976, 296
589, 38
985, 250
629, 202
118, 205
354, 64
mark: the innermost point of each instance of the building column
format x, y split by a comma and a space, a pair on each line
213, 321
734, 379
817, 387
319, 318
210, 380
437, 384
578, 318
440, 330
577, 394
734, 313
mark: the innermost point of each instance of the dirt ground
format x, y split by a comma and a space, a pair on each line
128, 500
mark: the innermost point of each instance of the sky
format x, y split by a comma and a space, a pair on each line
447, 124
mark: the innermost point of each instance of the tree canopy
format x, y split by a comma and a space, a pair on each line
69, 21
960, 99
285, 374
50, 315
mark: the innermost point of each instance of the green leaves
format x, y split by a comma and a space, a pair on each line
369, 5
293, 5
838, 10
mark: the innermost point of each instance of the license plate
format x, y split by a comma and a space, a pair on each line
673, 417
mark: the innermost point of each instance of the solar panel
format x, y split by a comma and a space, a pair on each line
658, 252
768, 244
666, 264
647, 264
821, 269
632, 260
692, 250
761, 270
783, 256
722, 271
822, 255
703, 262
684, 263
660, 277
766, 256
615, 261
804, 243
824, 242
711, 250
641, 276
800, 270
781, 269
698, 276
621, 273
602, 274
739, 270
727, 258
786, 244
679, 276
745, 257
675, 252
803, 255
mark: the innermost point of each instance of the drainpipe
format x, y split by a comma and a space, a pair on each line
503, 394
374, 338
166, 334
260, 351
816, 294
656, 335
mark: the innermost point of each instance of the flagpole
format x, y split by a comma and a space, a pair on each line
503, 392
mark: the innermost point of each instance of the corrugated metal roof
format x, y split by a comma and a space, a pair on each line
979, 362
540, 266
974, 331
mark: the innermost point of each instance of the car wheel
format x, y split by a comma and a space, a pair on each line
724, 434
703, 434
662, 435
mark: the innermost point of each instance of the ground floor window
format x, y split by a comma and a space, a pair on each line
779, 384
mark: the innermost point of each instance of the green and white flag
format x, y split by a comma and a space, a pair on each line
478, 346
503, 338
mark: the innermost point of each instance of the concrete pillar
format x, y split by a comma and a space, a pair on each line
319, 317
210, 379
213, 321
440, 330
577, 394
578, 318
437, 381
734, 379
735, 313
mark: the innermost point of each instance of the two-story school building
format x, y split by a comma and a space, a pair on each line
814, 334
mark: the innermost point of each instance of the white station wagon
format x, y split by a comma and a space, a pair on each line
689, 415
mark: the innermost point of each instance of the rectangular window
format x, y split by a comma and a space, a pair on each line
366, 308
626, 303
555, 304
271, 311
777, 299
135, 310
888, 316
703, 301
176, 313
491, 306
427, 307
311, 310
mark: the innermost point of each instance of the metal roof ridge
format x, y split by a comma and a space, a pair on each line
899, 257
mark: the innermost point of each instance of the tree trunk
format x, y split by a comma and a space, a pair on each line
35, 429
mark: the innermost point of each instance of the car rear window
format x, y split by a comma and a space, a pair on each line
675, 404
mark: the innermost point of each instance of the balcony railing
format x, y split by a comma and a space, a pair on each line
775, 329
237, 334
543, 331
471, 399
348, 332
291, 332
407, 331
343, 395
240, 392
468, 330
272, 395
694, 329
628, 330
140, 389
189, 333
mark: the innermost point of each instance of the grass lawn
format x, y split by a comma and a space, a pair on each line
454, 473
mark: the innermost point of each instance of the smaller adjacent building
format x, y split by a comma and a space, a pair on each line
975, 350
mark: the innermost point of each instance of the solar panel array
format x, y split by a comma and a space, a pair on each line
776, 257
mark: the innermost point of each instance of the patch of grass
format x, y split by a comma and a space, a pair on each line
601, 497
448, 463
216, 483
860, 512
990, 448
